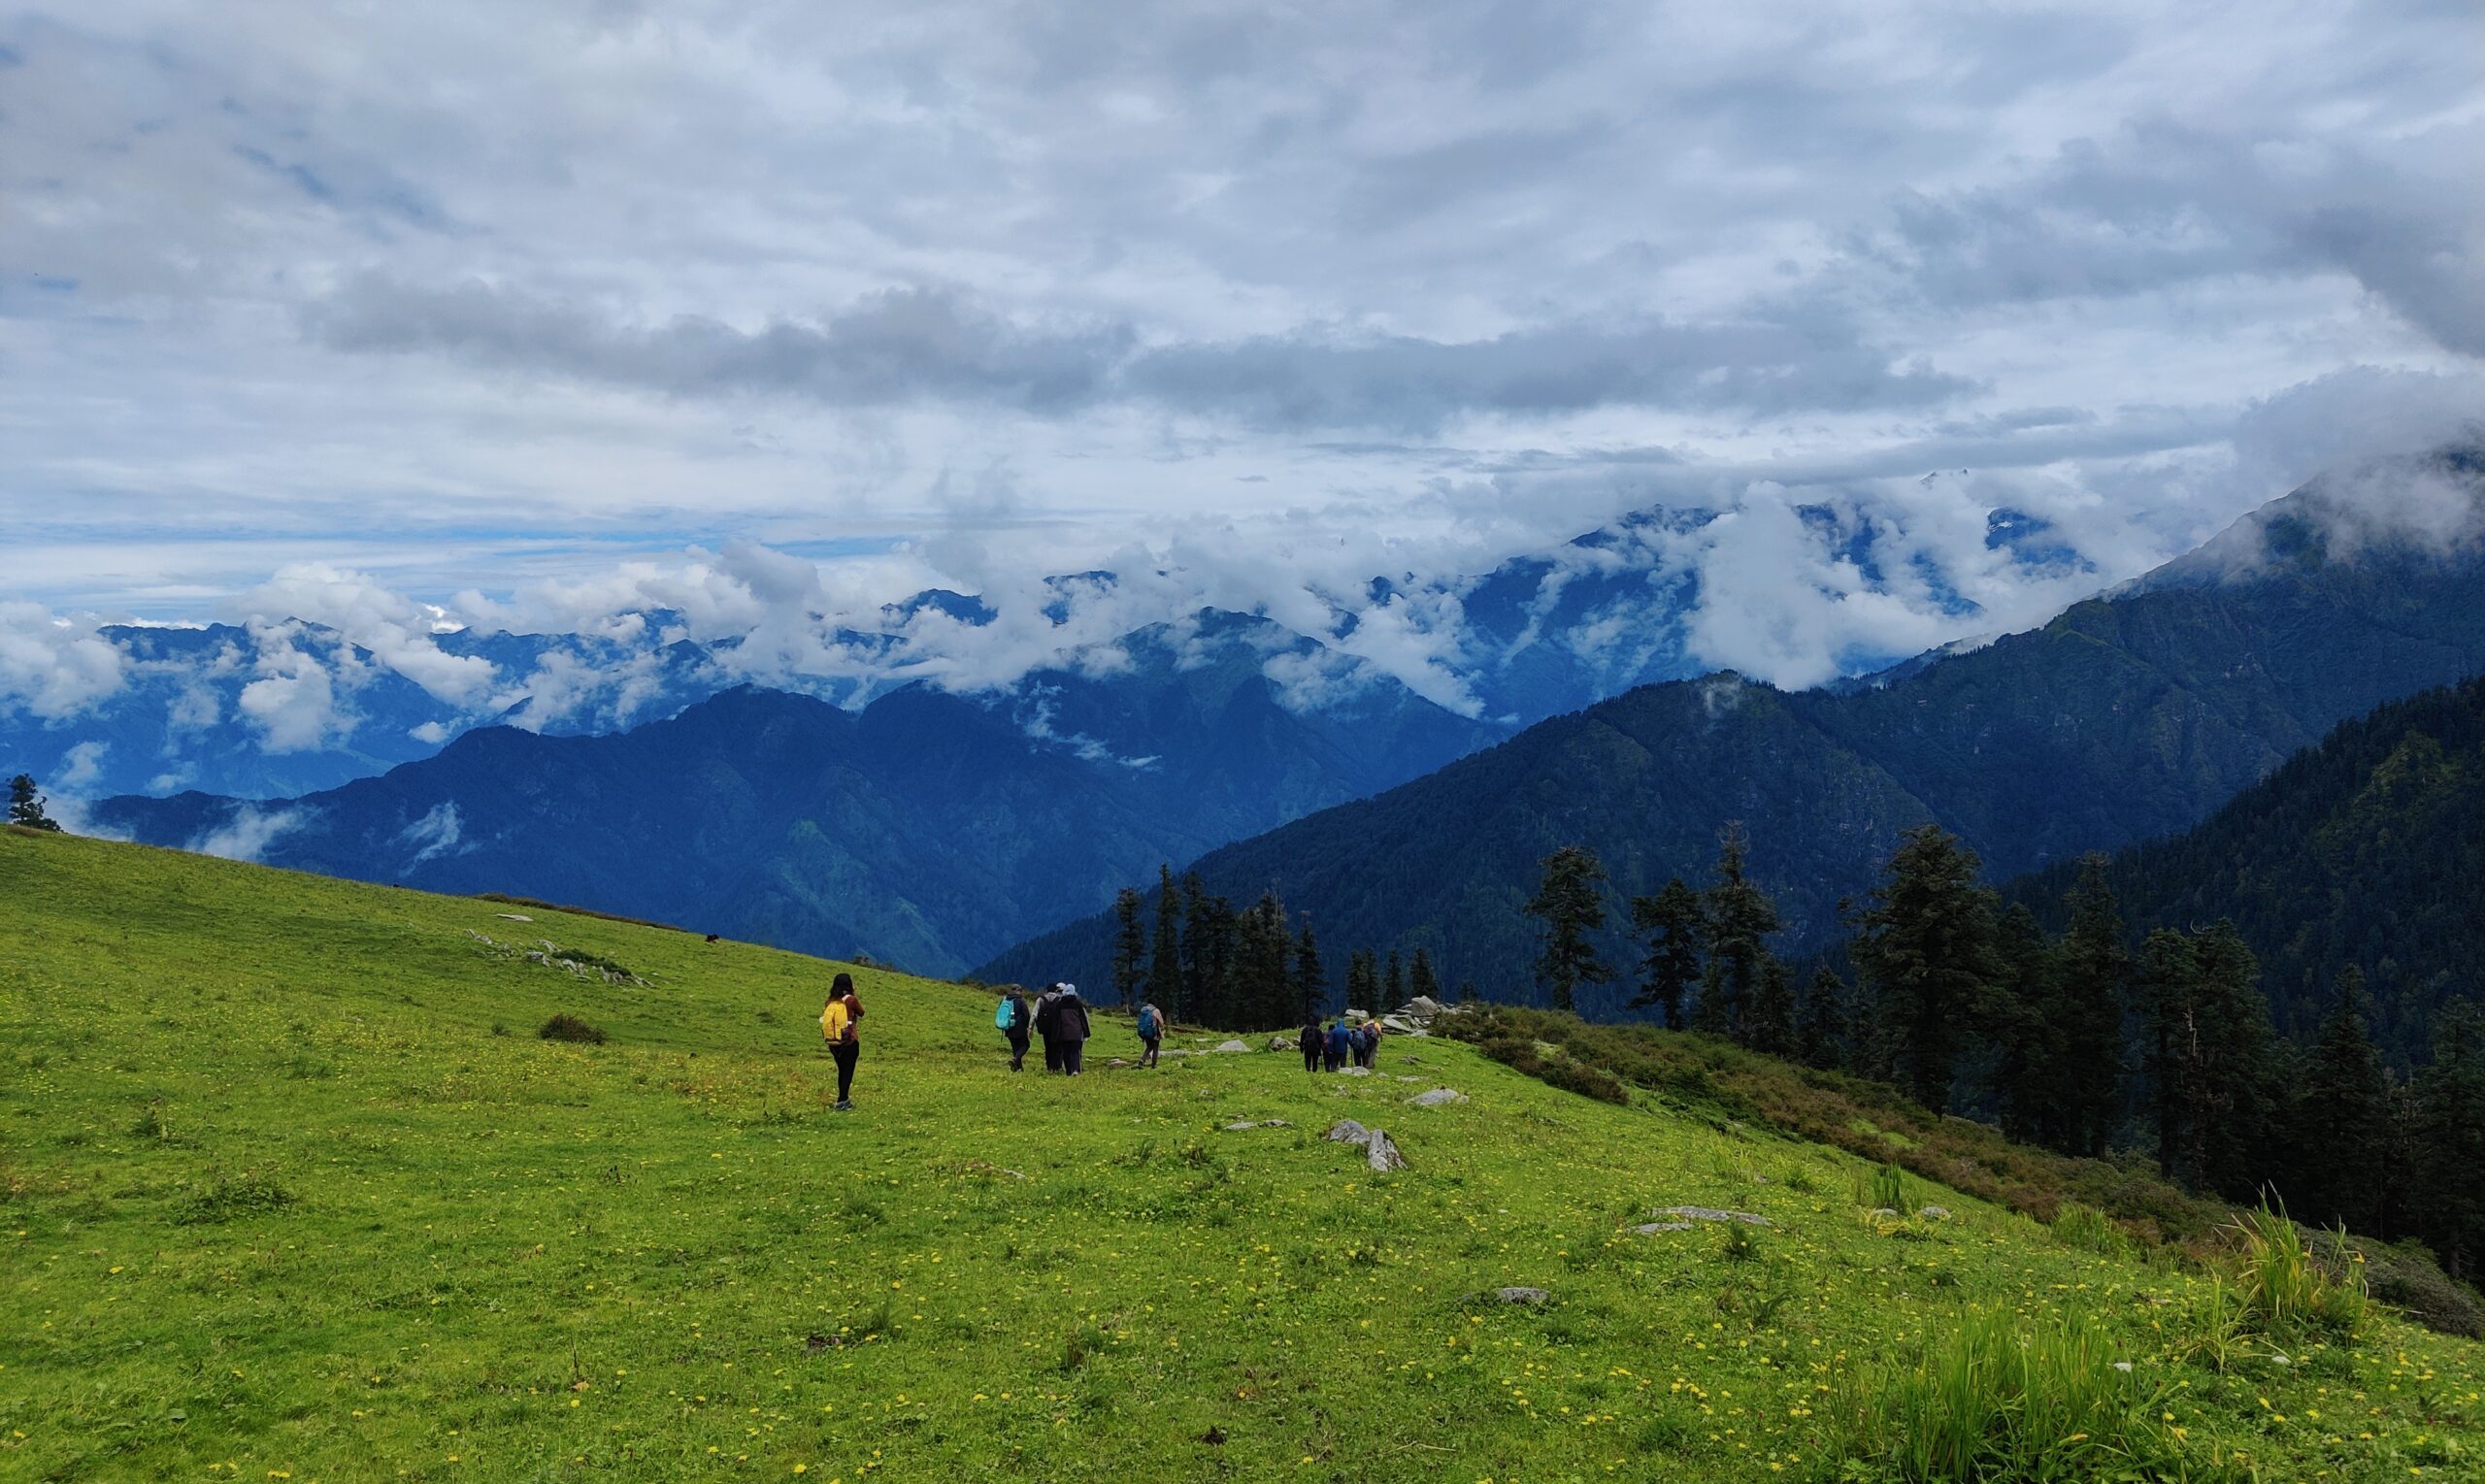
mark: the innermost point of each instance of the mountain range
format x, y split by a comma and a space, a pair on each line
2128, 717
925, 828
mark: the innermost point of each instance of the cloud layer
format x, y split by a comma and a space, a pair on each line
541, 316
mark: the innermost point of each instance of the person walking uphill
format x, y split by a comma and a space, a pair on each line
1151, 1033
1341, 1040
1048, 1024
841, 1026
1069, 1018
1015, 1020
1310, 1041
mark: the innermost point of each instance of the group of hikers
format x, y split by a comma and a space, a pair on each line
1058, 1017
1339, 1046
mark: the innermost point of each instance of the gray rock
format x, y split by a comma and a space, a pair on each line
1934, 1213
1420, 1007
1249, 1124
1654, 1227
1281, 1044
1884, 1210
1709, 1213
1529, 1297
1381, 1154
1349, 1132
1234, 1045
1436, 1098
513, 916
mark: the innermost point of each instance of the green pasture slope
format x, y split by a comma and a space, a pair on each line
289, 1188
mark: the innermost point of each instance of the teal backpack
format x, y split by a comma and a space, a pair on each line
1147, 1026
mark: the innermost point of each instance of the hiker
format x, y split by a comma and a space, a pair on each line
1011, 1018
1151, 1033
1368, 1044
1069, 1022
839, 1026
1048, 1024
1338, 1037
1310, 1041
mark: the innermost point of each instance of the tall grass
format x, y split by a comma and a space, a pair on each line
2281, 1290
1885, 1189
1994, 1403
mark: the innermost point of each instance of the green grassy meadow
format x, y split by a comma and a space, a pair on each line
290, 1189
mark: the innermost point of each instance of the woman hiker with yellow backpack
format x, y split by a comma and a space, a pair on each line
839, 1025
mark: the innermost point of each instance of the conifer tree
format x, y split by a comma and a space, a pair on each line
1740, 918
1265, 989
1467, 992
1674, 924
1925, 946
25, 805
1771, 1022
1198, 948
1165, 966
1363, 981
1211, 948
2082, 1081
2344, 1118
1421, 980
1393, 984
1822, 1035
1570, 901
1130, 941
2231, 1097
2022, 1019
2450, 1141
1311, 979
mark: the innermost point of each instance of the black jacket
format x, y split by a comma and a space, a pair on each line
1069, 1018
1311, 1038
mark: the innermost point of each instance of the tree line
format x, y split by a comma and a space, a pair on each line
1204, 962
2080, 1041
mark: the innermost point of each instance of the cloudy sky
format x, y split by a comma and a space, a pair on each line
533, 311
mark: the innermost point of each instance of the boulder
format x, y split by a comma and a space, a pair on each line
1357, 1017
1281, 1044
1346, 1131
1400, 1025
1381, 1154
1354, 1072
1439, 1097
1934, 1213
1234, 1045
1420, 1007
513, 916
1528, 1297
1708, 1213
1654, 1227
1249, 1124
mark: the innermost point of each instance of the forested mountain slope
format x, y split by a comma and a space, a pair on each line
2128, 717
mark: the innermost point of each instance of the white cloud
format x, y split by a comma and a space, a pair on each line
52, 667
293, 702
439, 832
80, 766
246, 836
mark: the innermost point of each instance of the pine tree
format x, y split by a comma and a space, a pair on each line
1211, 945
1165, 968
1674, 925
2450, 1141
1265, 986
1771, 1022
1924, 947
1570, 901
2082, 1081
1740, 918
1130, 941
1822, 1035
2344, 1116
1310, 981
1393, 984
1467, 992
25, 805
2231, 1096
2162, 994
1368, 1001
1198, 948
1421, 981
2022, 1020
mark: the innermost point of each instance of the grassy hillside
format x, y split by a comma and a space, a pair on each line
293, 1190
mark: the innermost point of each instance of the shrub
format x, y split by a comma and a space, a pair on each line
246, 1195
2088, 1229
1558, 1071
2405, 1276
2280, 1289
1885, 1189
566, 1027
1990, 1402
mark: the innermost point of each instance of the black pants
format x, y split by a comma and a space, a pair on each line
1053, 1054
1311, 1060
845, 1055
1149, 1057
1017, 1051
1071, 1051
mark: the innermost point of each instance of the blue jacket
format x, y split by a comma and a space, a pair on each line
1341, 1039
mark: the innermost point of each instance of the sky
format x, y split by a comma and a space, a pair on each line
526, 315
